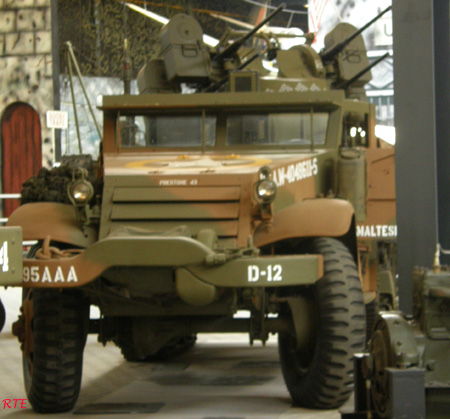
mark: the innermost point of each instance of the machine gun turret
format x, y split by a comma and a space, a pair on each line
234, 47
185, 59
345, 60
329, 54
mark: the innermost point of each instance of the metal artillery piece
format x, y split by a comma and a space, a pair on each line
406, 370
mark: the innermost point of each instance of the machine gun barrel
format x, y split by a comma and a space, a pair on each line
361, 73
231, 49
330, 53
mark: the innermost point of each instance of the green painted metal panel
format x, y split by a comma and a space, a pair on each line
266, 271
222, 228
174, 211
158, 194
147, 251
241, 100
10, 255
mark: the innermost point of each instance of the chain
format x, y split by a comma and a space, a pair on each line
47, 252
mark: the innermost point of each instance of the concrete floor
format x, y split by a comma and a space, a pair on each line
221, 378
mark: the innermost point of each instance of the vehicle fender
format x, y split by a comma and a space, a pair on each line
322, 217
59, 221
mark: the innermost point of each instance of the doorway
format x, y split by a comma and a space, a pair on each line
21, 150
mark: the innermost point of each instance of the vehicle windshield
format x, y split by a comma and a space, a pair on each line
277, 128
178, 131
167, 131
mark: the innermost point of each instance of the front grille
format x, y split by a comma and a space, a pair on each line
160, 209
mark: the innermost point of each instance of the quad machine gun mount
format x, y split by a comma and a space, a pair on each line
186, 60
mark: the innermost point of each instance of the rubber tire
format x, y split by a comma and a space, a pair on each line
2, 316
60, 324
327, 381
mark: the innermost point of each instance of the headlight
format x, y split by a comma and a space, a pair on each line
266, 190
82, 191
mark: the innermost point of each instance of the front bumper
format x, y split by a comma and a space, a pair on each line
188, 257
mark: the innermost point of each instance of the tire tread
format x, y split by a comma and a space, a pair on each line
59, 338
342, 332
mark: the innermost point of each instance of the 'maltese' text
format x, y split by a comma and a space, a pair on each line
376, 231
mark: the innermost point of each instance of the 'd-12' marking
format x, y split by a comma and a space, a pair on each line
273, 273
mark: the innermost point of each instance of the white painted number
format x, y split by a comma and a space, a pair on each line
273, 273
4, 260
32, 274
277, 270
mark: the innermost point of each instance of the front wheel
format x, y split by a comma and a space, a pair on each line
55, 325
320, 373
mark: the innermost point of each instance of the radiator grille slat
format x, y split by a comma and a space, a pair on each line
163, 208
161, 194
175, 211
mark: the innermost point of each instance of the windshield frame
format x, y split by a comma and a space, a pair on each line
221, 108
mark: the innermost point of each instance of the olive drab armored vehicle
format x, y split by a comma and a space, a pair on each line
244, 194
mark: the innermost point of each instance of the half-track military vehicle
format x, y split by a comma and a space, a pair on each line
220, 187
